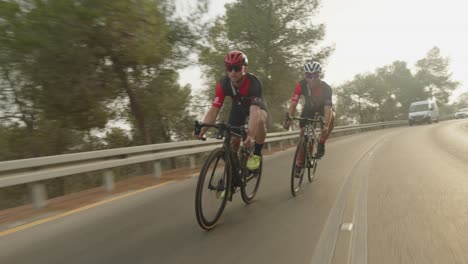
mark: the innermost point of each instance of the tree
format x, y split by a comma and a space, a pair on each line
433, 74
169, 117
51, 58
356, 99
382, 95
347, 109
462, 101
401, 86
278, 37
117, 138
387, 93
67, 62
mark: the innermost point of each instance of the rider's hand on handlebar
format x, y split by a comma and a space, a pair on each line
287, 121
199, 136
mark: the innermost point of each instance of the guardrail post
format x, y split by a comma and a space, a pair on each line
39, 195
157, 169
281, 145
109, 180
192, 162
268, 146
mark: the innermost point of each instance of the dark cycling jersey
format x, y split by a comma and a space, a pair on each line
249, 93
315, 98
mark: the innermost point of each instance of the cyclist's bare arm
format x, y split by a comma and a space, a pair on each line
292, 108
210, 118
253, 121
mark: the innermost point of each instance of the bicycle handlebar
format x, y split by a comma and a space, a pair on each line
220, 126
319, 119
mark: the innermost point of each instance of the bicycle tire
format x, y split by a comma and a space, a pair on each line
248, 176
202, 216
300, 147
311, 161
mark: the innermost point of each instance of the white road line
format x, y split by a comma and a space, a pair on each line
323, 252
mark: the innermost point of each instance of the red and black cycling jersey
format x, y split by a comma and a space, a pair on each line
249, 92
315, 98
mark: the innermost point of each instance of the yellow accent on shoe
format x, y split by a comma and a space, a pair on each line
220, 194
253, 162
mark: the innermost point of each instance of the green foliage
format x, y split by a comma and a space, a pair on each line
462, 100
278, 38
117, 138
387, 93
166, 104
48, 138
65, 65
434, 75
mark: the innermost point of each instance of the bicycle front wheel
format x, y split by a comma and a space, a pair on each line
298, 167
250, 182
212, 189
312, 162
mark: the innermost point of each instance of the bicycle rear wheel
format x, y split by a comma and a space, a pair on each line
212, 189
250, 182
298, 167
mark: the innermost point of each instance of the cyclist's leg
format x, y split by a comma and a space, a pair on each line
324, 138
237, 118
235, 143
302, 132
304, 114
261, 132
332, 122
302, 123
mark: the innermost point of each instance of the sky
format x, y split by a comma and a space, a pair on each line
368, 34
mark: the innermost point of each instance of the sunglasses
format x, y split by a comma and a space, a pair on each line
236, 68
312, 75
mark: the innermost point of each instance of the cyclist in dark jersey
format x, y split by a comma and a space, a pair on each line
318, 98
245, 89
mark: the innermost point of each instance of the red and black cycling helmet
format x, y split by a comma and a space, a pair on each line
236, 58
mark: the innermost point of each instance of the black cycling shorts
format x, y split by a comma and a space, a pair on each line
238, 116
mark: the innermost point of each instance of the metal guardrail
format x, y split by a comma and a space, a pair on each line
35, 170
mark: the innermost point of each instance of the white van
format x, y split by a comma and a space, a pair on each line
423, 112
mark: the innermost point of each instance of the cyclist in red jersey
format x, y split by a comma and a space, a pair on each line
318, 98
245, 89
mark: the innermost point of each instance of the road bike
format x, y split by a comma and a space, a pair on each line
223, 174
306, 157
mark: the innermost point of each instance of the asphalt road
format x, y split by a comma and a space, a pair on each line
390, 196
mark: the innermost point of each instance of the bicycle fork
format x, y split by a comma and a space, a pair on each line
309, 148
219, 185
